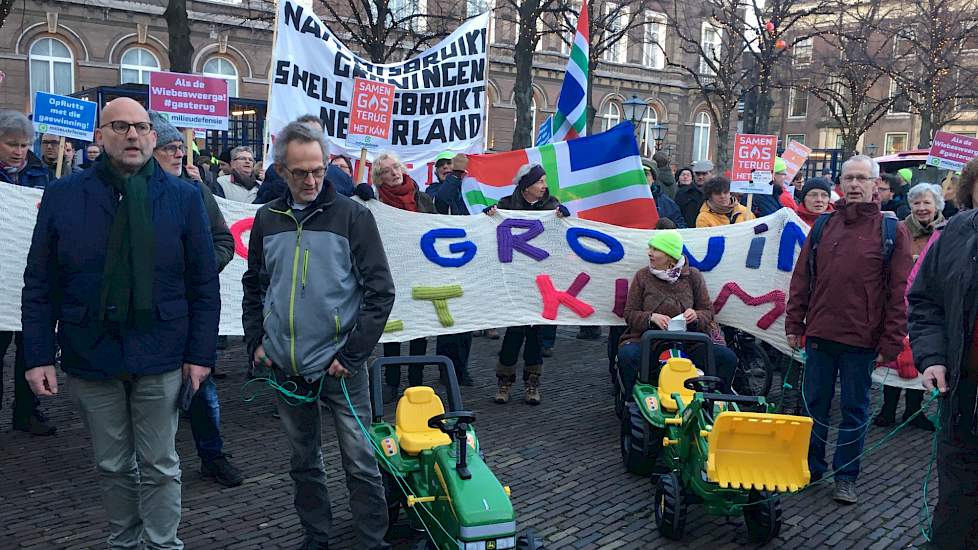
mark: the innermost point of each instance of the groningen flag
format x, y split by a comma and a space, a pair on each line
570, 120
597, 178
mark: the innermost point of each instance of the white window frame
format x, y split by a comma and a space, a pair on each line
709, 47
233, 91
802, 51
141, 70
702, 127
647, 144
887, 150
892, 90
411, 7
475, 7
607, 117
618, 52
788, 138
50, 60
792, 96
654, 40
565, 47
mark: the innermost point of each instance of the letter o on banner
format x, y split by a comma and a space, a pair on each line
237, 229
615, 249
467, 249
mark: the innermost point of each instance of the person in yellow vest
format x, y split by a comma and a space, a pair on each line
720, 208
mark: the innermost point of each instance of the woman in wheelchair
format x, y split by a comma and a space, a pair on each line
667, 288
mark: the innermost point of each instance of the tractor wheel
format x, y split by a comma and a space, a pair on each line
670, 506
529, 541
620, 401
394, 496
762, 514
640, 441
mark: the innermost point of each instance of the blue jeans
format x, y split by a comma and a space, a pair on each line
548, 335
853, 366
630, 360
205, 421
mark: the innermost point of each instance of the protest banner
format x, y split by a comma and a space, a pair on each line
753, 153
439, 98
370, 118
190, 100
794, 156
951, 151
64, 116
597, 177
512, 269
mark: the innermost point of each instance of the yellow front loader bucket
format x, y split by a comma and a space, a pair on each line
759, 451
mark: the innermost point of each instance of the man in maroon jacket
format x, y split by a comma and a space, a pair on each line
850, 316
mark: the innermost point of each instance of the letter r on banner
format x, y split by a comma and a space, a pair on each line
507, 241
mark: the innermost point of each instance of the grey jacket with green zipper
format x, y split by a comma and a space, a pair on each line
318, 286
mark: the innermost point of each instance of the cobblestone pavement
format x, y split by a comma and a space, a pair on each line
561, 459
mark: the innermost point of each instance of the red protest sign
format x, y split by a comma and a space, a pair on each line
952, 151
190, 101
752, 153
794, 156
370, 114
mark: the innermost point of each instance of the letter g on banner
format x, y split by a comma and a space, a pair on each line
467, 249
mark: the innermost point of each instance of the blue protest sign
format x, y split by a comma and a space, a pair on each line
64, 116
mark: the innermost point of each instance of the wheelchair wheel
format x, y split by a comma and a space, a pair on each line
640, 441
762, 514
670, 506
754, 372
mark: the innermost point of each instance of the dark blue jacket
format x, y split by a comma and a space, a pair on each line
448, 195
668, 208
274, 186
33, 174
63, 280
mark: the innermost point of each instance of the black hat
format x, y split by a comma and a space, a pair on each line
225, 156
816, 183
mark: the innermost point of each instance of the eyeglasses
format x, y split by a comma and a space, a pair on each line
244, 159
302, 175
857, 178
121, 127
173, 149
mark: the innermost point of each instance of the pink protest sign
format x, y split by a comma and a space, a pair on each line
952, 151
190, 101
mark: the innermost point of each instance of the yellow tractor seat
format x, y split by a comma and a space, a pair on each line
759, 451
671, 379
414, 408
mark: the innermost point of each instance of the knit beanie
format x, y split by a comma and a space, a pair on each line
780, 165
816, 183
906, 174
670, 242
165, 132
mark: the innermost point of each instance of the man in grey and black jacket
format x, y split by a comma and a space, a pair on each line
317, 294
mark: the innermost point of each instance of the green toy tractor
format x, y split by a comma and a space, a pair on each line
433, 468
704, 444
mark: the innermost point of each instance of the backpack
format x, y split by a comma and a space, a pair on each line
888, 228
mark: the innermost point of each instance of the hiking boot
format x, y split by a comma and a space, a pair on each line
390, 393
465, 380
222, 471
883, 421
531, 389
36, 424
547, 352
502, 394
922, 422
845, 492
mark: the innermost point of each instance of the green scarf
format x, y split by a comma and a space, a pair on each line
127, 278
918, 230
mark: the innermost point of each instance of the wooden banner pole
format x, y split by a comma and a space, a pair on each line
361, 167
61, 156
188, 142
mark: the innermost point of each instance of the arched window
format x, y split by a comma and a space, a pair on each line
136, 64
220, 67
610, 116
648, 142
701, 136
52, 67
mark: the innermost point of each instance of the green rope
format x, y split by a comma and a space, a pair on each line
287, 390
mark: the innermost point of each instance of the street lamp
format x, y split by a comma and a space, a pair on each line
659, 134
871, 149
635, 109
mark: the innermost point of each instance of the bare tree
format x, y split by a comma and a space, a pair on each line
181, 50
386, 30
6, 6
930, 60
847, 75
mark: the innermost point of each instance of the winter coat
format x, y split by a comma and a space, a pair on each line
920, 234
762, 205
944, 303
708, 218
234, 192
220, 234
63, 279
33, 174
668, 208
448, 194
318, 286
667, 180
516, 201
689, 198
855, 301
808, 216
648, 294
898, 205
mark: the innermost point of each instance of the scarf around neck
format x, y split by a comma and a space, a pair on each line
672, 274
126, 297
13, 170
918, 229
721, 209
400, 196
248, 182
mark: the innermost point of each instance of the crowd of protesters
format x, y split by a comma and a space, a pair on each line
137, 322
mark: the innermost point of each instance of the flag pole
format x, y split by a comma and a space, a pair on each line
266, 134
485, 103
61, 156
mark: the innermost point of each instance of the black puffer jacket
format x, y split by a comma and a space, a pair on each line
516, 201
944, 302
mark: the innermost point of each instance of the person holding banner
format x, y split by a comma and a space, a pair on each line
531, 193
720, 208
816, 199
122, 263
285, 318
